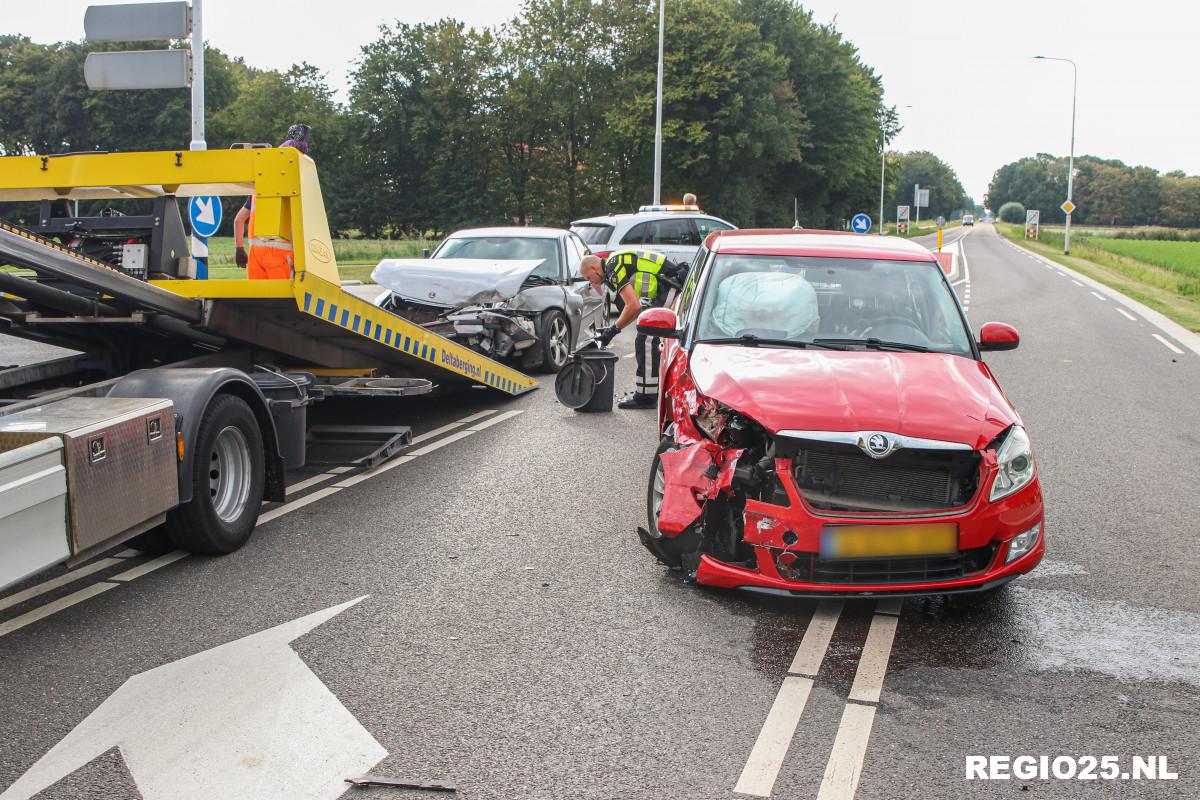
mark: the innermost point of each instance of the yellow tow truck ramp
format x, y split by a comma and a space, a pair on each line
309, 319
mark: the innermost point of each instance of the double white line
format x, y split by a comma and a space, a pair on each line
463, 428
850, 745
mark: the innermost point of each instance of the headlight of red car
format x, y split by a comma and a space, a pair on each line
724, 425
1015, 461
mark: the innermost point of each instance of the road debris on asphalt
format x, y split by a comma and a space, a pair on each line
371, 779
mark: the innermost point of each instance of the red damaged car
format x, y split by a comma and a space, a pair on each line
829, 427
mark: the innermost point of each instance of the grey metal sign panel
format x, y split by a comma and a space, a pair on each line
136, 22
140, 69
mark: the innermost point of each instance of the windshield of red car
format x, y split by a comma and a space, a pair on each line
505, 248
801, 298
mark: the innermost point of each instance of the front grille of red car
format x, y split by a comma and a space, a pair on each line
834, 477
811, 568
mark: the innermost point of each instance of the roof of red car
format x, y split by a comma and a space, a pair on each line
828, 244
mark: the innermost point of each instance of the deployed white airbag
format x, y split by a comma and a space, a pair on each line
766, 303
453, 282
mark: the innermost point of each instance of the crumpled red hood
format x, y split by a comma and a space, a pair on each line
927, 395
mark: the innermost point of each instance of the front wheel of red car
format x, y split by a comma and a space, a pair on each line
670, 551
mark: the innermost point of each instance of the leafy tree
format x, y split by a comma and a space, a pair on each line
946, 193
1012, 211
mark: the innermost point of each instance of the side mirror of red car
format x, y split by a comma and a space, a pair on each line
660, 322
998, 336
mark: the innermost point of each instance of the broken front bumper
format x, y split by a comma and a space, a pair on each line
785, 539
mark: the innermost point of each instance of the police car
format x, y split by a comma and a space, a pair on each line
674, 230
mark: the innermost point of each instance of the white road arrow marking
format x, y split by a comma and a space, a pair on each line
205, 214
246, 719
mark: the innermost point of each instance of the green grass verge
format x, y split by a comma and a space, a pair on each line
1170, 292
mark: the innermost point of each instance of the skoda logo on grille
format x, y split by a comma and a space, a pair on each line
877, 445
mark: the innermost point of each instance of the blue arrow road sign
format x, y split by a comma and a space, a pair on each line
861, 223
205, 214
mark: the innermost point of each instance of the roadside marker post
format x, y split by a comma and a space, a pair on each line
902, 213
1032, 223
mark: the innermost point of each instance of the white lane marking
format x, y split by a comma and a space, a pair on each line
41, 612
872, 664
282, 732
629, 355
477, 415
1167, 344
54, 583
309, 482
762, 767
128, 552
489, 423
288, 508
1077, 283
1097, 295
1126, 315
435, 432
816, 638
451, 439
371, 473
1062, 274
849, 748
149, 566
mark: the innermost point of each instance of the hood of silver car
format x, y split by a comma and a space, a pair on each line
453, 282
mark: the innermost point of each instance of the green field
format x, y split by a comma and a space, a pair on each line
1182, 257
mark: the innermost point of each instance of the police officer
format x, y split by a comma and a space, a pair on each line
642, 280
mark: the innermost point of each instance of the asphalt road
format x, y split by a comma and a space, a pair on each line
516, 641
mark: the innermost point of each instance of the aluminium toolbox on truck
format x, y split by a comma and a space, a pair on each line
123, 297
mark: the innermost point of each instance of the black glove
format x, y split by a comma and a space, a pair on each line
240, 257
607, 335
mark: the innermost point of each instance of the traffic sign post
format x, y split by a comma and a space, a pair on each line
149, 69
1032, 223
860, 223
902, 220
205, 215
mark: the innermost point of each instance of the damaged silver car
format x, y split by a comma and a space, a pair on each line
511, 293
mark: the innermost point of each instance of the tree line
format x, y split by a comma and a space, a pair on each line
542, 120
1106, 192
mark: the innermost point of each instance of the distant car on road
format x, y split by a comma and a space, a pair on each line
829, 427
968, 219
510, 293
674, 230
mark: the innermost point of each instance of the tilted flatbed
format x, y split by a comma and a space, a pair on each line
202, 347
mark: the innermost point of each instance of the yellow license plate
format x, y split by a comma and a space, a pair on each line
889, 541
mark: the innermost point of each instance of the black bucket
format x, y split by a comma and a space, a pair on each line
585, 383
287, 397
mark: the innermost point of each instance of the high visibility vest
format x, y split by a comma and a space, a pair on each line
268, 258
638, 268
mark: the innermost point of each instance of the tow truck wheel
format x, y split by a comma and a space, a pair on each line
228, 477
555, 339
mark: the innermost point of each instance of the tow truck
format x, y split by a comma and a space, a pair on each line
184, 404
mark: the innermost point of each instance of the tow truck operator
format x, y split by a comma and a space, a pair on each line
268, 258
642, 280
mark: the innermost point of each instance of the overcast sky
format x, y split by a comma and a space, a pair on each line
977, 98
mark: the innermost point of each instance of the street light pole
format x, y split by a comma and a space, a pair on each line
1071, 157
882, 166
662, 5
